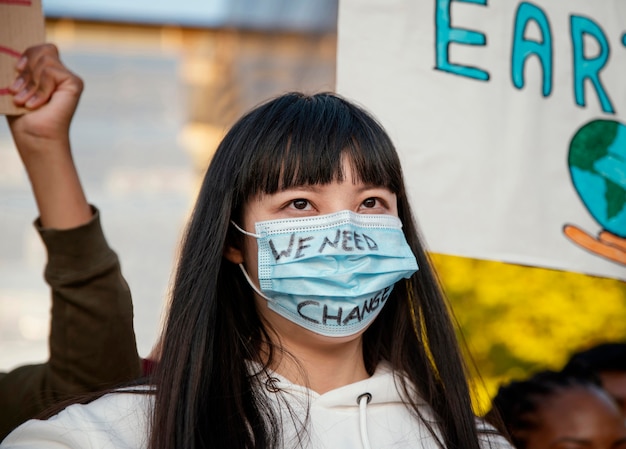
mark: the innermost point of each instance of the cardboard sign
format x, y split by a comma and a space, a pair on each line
510, 120
21, 26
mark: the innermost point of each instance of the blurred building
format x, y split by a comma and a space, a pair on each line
234, 53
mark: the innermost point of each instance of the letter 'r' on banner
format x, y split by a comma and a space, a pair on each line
21, 26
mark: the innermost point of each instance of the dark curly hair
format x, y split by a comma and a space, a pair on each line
603, 357
514, 408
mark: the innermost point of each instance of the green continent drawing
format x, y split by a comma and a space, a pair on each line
597, 164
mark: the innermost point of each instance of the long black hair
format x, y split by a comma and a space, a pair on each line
206, 395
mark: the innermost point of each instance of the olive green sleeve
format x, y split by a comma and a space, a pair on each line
92, 340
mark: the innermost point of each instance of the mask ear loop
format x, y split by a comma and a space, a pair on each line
243, 269
243, 231
254, 287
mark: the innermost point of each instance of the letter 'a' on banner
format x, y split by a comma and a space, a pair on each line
21, 26
510, 120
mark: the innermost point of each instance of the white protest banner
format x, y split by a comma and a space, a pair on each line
510, 119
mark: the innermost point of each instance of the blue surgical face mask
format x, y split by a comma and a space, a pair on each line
331, 274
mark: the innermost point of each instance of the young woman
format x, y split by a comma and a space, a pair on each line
560, 410
304, 311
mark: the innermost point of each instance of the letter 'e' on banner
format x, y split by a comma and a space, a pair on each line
510, 120
22, 25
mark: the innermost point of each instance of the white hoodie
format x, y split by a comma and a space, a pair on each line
336, 420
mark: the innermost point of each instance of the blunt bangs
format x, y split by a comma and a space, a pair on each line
299, 140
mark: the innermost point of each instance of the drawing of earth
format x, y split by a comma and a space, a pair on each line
597, 165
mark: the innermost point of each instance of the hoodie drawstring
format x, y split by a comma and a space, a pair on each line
363, 400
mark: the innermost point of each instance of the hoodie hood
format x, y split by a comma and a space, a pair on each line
371, 413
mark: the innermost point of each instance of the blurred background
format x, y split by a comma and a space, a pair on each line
163, 82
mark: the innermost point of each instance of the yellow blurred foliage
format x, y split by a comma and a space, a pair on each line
516, 320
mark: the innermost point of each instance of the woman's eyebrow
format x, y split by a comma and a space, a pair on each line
373, 187
305, 187
301, 188
579, 441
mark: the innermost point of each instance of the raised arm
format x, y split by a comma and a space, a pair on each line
92, 341
51, 92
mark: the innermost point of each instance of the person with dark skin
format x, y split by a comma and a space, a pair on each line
92, 342
608, 361
566, 409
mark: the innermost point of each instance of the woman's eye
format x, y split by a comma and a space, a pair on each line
300, 204
370, 203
